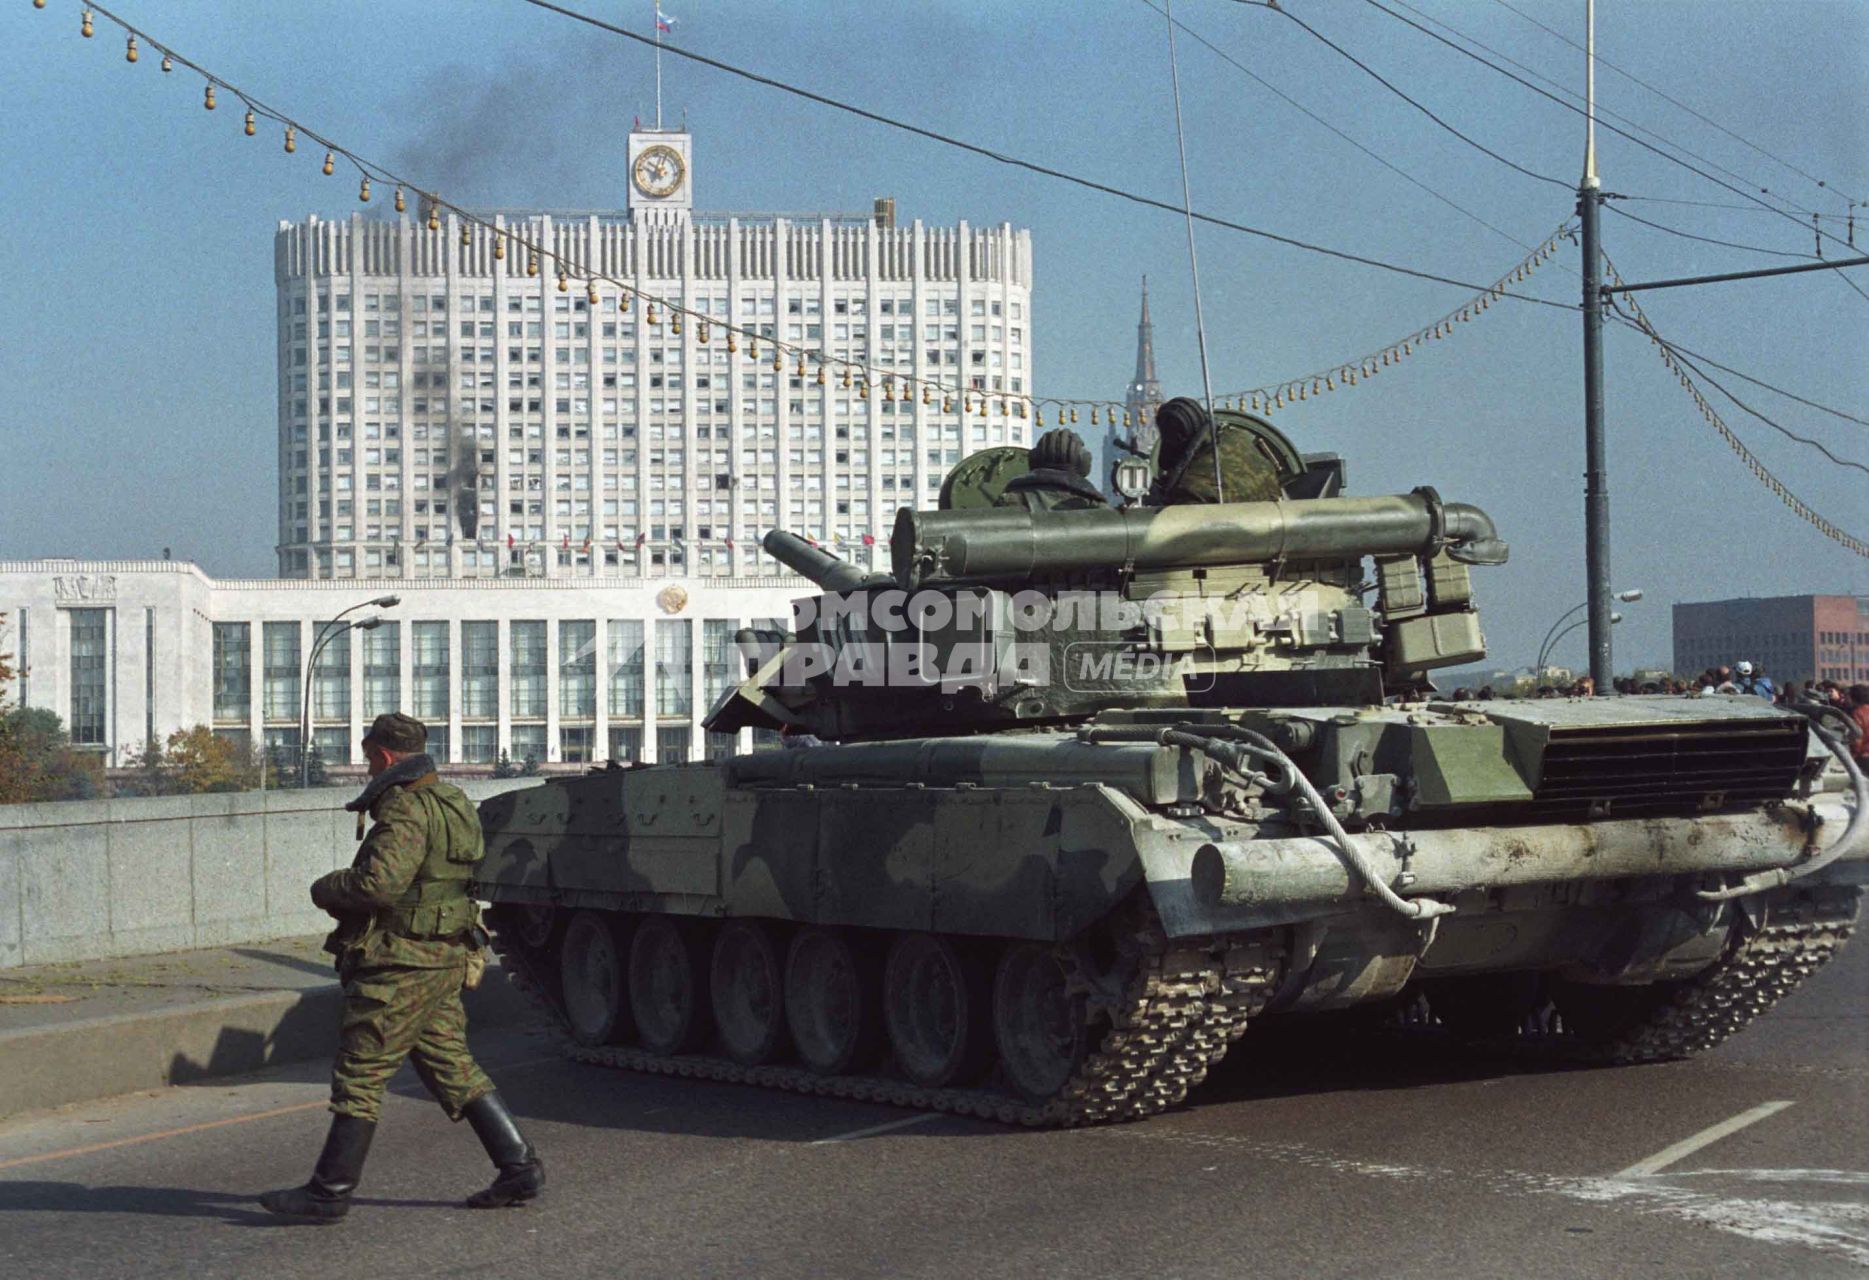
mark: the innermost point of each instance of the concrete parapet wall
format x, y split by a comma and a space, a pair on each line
98, 879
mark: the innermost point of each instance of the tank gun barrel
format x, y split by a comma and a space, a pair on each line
817, 564
1010, 543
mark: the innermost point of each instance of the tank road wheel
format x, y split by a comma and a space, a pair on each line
933, 1011
830, 1002
1038, 1021
590, 966
748, 985
667, 987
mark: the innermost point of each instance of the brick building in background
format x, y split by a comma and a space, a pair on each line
1795, 637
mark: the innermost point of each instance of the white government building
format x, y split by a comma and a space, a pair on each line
566, 498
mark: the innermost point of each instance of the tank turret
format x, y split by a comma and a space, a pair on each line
1042, 604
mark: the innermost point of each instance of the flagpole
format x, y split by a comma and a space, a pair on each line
656, 6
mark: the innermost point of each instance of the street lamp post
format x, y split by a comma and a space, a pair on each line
328, 631
1558, 630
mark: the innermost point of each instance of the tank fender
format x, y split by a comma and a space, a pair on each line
1035, 862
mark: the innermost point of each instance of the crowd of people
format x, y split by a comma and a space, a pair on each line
1742, 679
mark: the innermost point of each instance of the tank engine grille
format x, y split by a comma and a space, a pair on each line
1648, 768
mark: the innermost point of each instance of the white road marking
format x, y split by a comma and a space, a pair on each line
1705, 1138
875, 1129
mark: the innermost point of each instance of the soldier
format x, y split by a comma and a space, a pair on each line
1185, 463
1058, 479
408, 939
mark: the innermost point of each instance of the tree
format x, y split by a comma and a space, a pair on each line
503, 767
277, 764
315, 775
37, 761
188, 762
530, 767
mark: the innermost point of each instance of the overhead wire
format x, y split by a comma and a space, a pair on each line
1637, 319
1601, 110
1689, 235
1373, 154
1782, 430
1390, 85
1568, 106
1017, 162
1665, 97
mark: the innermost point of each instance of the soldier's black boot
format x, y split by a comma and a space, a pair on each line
327, 1196
522, 1173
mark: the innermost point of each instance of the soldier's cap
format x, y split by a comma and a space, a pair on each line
1179, 421
393, 731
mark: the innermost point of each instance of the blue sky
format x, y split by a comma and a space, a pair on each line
136, 293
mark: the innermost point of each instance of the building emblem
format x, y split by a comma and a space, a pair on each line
672, 599
84, 588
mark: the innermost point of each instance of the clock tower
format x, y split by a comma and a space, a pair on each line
661, 182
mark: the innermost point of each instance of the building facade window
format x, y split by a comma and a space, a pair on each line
90, 682
577, 673
671, 743
480, 743
625, 743
331, 686
428, 658
674, 662
233, 672
574, 743
528, 744
382, 670
626, 674
279, 642
480, 673
526, 670
332, 745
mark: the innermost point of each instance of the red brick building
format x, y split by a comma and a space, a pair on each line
1795, 637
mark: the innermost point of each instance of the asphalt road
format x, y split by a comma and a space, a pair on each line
1309, 1153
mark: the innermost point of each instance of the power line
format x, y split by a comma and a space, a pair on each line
1600, 110
1604, 62
1688, 235
1296, 105
1030, 166
1774, 425
1377, 76
1710, 362
1572, 107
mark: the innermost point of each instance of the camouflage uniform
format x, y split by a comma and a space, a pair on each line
403, 946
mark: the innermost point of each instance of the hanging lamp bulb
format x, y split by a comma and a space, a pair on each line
674, 322
467, 235
778, 360
947, 403
363, 190
623, 302
84, 27
330, 164
863, 389
799, 372
401, 205
820, 378
129, 50
499, 248
168, 63
532, 263
846, 382
733, 344
564, 279
1038, 419
38, 4
207, 98
651, 316
927, 393
752, 348
249, 128
434, 217
292, 140
590, 293
1073, 413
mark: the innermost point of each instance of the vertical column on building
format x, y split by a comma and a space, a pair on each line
651, 711
503, 685
457, 675
600, 662
405, 494
350, 247
553, 661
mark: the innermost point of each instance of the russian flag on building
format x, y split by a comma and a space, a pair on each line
662, 21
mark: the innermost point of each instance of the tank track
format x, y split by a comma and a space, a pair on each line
1176, 1018
1762, 966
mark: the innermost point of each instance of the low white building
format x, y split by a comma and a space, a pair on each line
560, 670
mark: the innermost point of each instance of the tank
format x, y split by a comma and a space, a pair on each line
1078, 791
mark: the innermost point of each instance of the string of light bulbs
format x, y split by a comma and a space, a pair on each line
851, 374
1639, 320
1349, 373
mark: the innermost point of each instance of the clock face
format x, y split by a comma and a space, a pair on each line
658, 171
